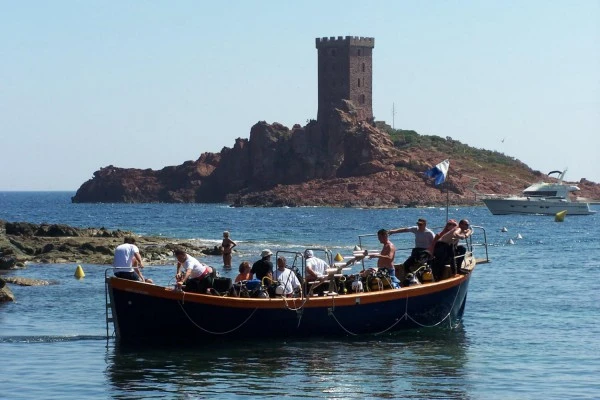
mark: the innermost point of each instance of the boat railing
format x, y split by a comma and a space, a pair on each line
478, 231
298, 263
471, 244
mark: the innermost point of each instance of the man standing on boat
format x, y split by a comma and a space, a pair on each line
385, 259
264, 266
423, 239
315, 267
128, 261
447, 251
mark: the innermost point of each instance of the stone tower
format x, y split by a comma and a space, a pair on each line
345, 72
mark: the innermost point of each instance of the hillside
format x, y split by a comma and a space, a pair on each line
353, 164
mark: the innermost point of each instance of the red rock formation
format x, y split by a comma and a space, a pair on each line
342, 162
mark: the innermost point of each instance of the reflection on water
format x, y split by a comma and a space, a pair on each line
427, 364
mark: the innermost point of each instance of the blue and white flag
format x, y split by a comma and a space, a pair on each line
439, 172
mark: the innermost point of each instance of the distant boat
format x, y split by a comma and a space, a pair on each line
540, 198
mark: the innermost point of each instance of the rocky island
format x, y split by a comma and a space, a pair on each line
343, 158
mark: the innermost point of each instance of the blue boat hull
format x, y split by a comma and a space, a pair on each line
148, 313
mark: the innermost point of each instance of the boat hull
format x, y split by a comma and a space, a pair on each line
535, 206
148, 313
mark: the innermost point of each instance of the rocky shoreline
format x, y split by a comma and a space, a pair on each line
23, 242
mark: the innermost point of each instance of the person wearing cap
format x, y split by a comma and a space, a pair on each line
423, 240
227, 246
192, 275
315, 267
264, 266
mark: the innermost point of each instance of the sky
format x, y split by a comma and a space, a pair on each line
87, 84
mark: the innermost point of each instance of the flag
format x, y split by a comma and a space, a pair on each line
439, 172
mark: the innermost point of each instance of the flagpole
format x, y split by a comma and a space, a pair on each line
447, 195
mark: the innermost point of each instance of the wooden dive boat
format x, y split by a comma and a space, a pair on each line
143, 312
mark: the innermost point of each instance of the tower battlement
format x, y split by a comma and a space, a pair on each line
345, 41
345, 73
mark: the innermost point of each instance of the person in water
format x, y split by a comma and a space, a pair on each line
227, 245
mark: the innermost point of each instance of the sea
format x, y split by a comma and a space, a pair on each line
531, 328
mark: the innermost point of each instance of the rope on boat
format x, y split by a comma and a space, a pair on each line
443, 319
404, 316
211, 332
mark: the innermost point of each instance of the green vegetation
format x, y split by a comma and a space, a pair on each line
454, 149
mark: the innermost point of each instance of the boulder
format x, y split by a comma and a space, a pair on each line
5, 293
7, 262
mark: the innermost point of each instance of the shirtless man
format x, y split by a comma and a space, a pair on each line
385, 259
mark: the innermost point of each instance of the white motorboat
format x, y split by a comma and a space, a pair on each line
540, 198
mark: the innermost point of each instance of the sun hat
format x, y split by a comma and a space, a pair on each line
266, 253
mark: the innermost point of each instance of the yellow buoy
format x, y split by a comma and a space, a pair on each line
79, 272
560, 216
339, 257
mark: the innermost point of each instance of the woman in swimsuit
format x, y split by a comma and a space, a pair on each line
227, 246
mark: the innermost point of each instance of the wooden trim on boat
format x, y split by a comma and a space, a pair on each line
278, 302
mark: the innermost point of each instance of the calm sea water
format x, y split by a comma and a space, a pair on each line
531, 328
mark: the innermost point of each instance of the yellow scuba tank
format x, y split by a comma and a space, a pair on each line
427, 275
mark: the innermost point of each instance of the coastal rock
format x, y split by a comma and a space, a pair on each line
7, 262
5, 293
342, 161
17, 280
24, 242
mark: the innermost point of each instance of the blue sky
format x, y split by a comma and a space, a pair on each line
86, 84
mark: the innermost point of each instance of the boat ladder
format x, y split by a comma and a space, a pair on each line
108, 312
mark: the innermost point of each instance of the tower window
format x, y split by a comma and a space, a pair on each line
358, 52
333, 52
362, 99
358, 82
363, 67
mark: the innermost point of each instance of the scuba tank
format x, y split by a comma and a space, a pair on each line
427, 275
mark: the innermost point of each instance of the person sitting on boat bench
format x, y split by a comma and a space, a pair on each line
315, 267
287, 278
128, 261
244, 274
192, 274
264, 266
385, 259
423, 239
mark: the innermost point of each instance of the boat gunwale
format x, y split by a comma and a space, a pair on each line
349, 299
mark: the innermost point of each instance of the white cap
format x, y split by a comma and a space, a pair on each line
265, 253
